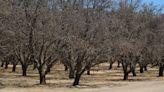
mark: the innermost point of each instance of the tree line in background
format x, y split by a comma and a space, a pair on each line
81, 34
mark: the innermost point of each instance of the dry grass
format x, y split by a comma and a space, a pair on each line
58, 78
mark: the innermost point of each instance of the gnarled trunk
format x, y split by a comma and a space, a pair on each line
6, 65
125, 76
43, 70
14, 68
71, 73
2, 64
88, 72
77, 79
161, 70
24, 70
145, 68
126, 71
110, 66
133, 72
141, 69
35, 66
42, 78
66, 68
118, 64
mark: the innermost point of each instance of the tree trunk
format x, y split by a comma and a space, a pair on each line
77, 79
125, 76
35, 66
24, 72
6, 65
14, 68
88, 72
161, 70
49, 70
2, 64
145, 68
141, 69
42, 79
110, 66
125, 67
71, 73
66, 68
118, 65
133, 72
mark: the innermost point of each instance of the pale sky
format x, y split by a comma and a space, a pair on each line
156, 2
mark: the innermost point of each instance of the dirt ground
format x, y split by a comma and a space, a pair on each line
146, 86
100, 80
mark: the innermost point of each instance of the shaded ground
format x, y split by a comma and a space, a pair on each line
100, 80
